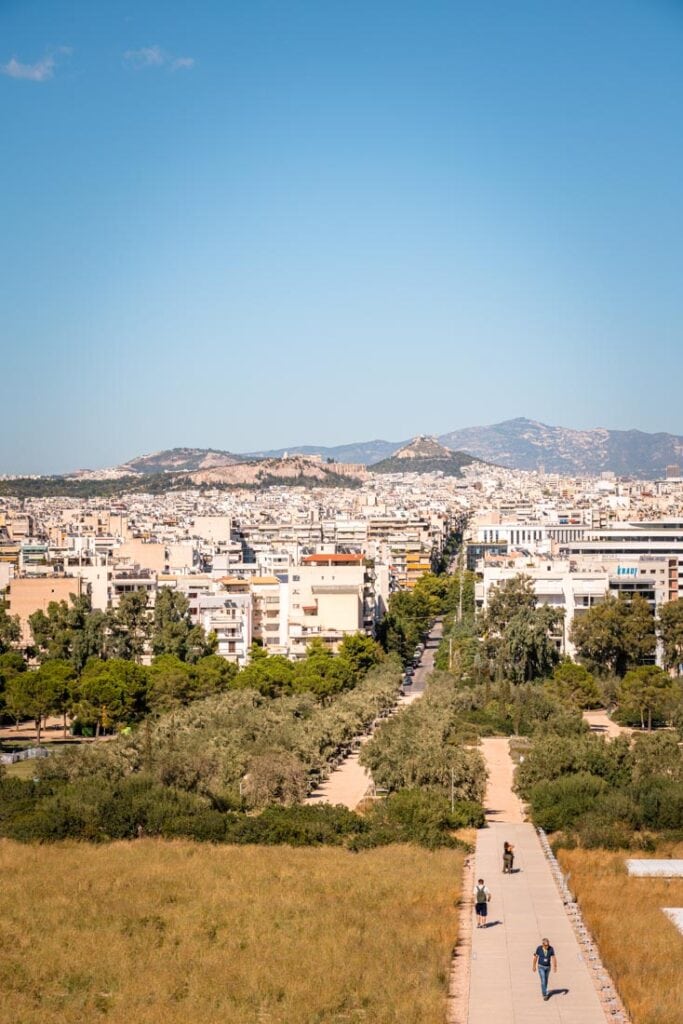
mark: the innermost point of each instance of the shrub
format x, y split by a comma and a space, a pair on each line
418, 816
558, 803
596, 833
550, 757
296, 826
661, 803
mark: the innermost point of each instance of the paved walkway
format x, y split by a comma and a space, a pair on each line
525, 907
500, 803
350, 782
601, 723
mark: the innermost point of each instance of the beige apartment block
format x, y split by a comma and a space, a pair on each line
326, 596
19, 525
212, 528
28, 595
146, 554
181, 557
267, 619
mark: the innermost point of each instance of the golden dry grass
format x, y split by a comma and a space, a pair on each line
151, 932
641, 948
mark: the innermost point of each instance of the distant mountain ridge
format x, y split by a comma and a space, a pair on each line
515, 444
527, 444
363, 452
523, 443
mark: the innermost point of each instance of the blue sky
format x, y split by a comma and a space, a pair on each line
254, 224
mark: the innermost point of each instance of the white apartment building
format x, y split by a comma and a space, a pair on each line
627, 543
228, 614
555, 584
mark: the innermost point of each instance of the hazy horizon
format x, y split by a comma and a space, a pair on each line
293, 445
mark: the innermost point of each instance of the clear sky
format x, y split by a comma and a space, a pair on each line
260, 223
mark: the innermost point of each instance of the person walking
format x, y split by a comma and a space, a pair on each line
508, 858
482, 898
543, 958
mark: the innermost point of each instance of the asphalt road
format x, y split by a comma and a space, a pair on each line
426, 665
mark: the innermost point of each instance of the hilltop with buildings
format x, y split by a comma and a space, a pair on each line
424, 455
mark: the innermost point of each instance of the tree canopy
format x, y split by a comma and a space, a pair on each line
616, 635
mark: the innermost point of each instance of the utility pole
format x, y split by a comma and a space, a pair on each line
450, 653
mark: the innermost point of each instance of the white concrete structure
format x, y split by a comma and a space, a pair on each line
653, 868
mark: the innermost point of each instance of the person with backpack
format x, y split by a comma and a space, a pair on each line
482, 898
543, 958
508, 858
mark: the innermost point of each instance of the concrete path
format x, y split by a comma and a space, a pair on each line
500, 803
347, 785
525, 907
350, 782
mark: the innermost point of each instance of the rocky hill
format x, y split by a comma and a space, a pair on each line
295, 470
179, 460
527, 444
424, 455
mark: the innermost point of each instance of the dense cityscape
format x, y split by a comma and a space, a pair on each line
341, 512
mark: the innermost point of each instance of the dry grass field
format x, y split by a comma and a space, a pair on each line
164, 932
639, 945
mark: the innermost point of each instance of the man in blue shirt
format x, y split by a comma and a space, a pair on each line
543, 958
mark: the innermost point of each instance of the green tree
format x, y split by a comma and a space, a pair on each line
322, 674
10, 629
574, 686
129, 627
506, 600
657, 756
33, 695
391, 633
11, 664
615, 635
110, 693
213, 674
646, 692
526, 649
171, 683
671, 632
173, 632
406, 622
275, 777
69, 631
518, 638
270, 675
60, 675
361, 652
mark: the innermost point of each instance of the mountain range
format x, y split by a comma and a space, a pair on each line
516, 444
523, 443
